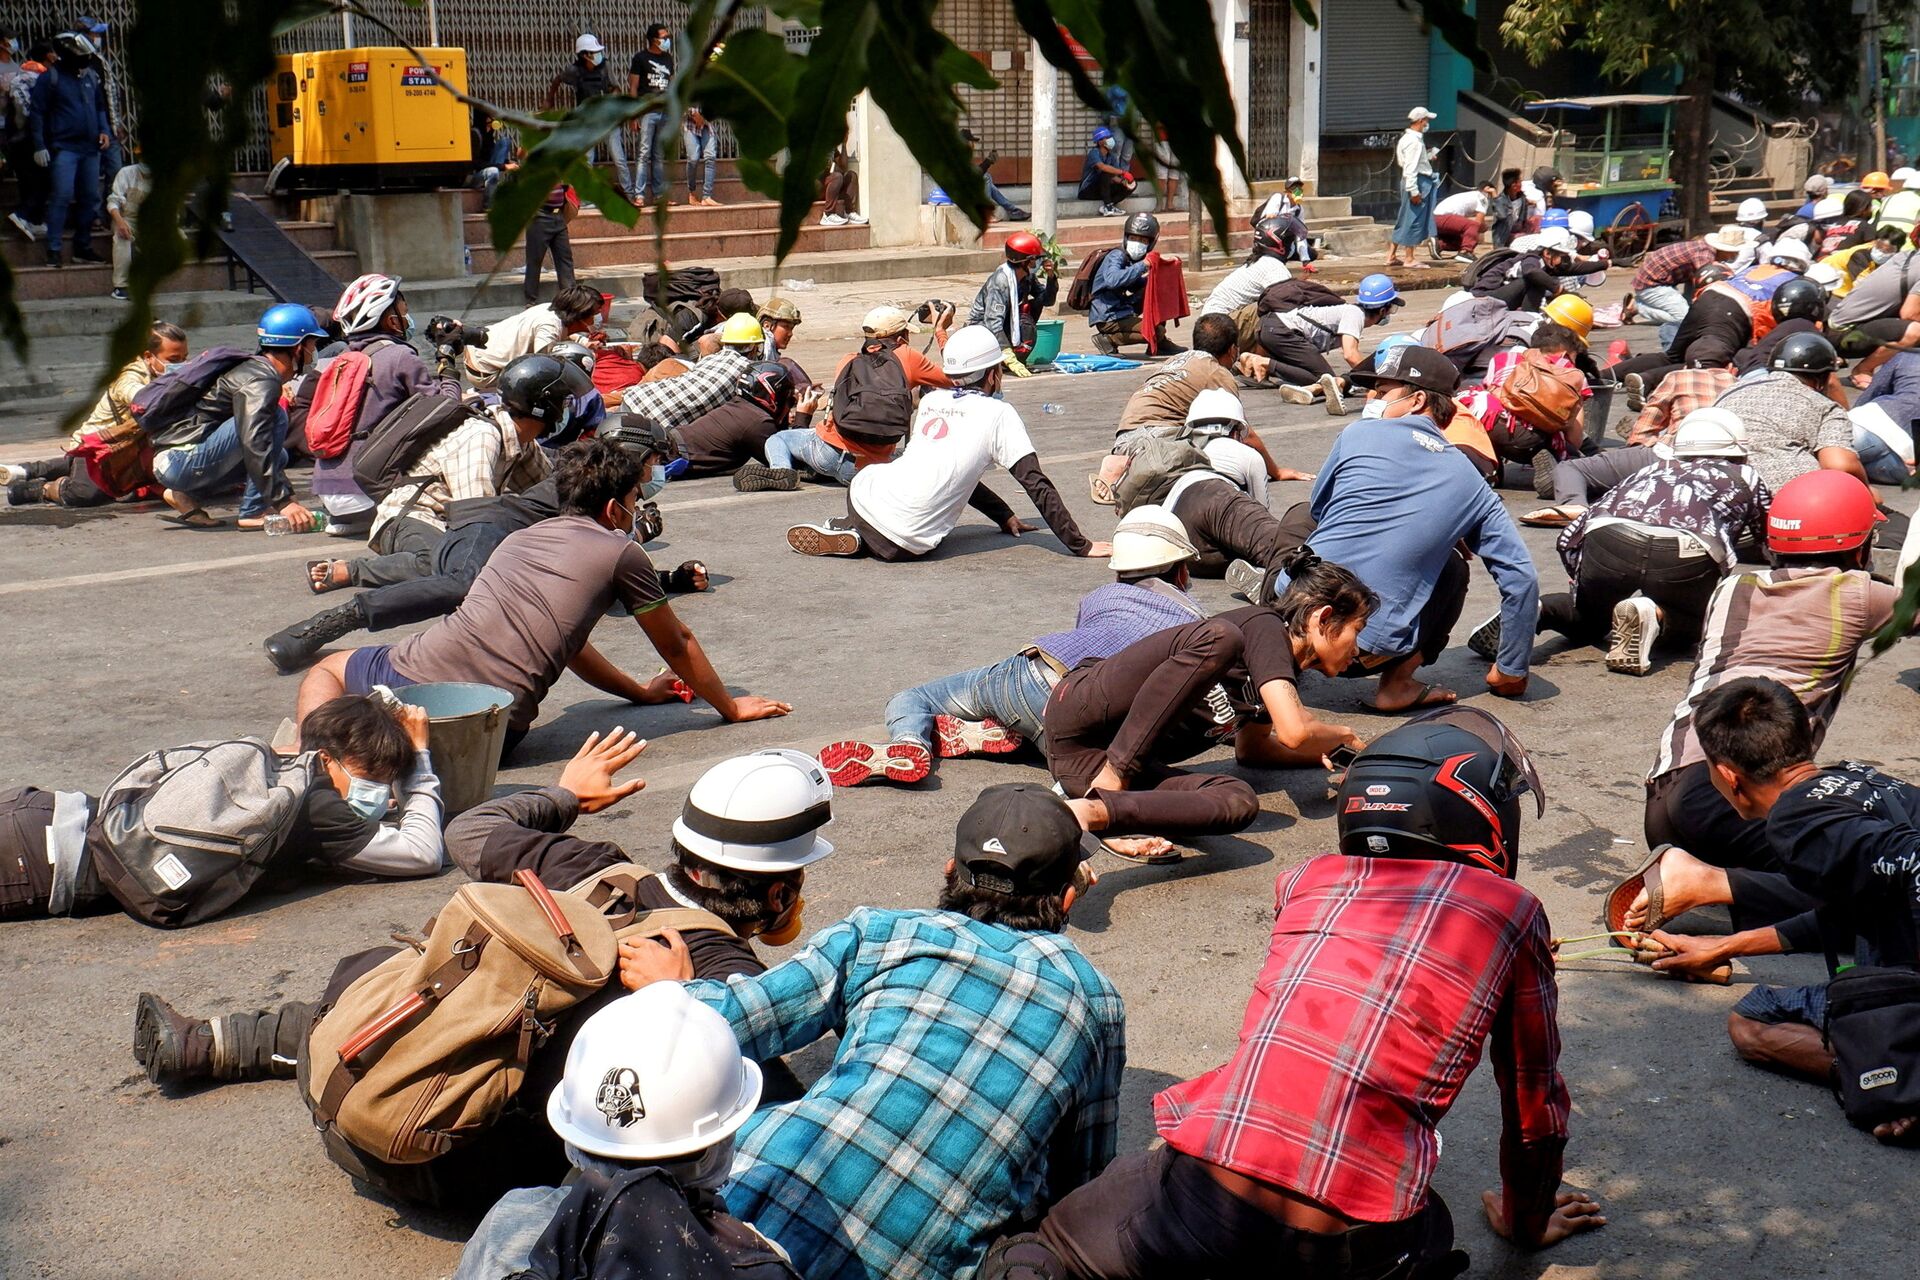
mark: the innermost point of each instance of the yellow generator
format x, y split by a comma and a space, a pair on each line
367, 120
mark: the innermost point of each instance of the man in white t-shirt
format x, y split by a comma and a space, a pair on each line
1264, 268
572, 311
1461, 219
903, 509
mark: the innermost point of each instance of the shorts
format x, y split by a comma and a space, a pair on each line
368, 666
1806, 1006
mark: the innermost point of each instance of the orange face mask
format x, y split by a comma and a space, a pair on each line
787, 928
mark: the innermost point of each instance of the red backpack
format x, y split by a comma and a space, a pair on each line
337, 398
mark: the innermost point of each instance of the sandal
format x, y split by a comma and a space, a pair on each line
1150, 859
1552, 517
319, 586
1645, 876
1430, 695
1101, 490
194, 519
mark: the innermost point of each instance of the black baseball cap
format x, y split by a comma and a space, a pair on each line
1018, 838
1415, 365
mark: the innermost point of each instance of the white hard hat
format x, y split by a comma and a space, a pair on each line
1912, 180
1710, 432
1789, 251
1149, 538
1580, 222
1216, 404
1556, 240
1824, 274
973, 349
1752, 209
758, 813
1828, 207
1902, 174
653, 1075
589, 43
364, 301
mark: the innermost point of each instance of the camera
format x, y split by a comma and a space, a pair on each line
930, 311
449, 337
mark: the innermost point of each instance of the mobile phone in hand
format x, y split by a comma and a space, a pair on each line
1341, 756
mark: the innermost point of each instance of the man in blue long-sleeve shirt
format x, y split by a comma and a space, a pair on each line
1120, 290
1895, 392
1393, 502
67, 129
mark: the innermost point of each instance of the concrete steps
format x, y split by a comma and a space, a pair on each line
81, 280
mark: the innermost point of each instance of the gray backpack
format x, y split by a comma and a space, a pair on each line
184, 832
1153, 470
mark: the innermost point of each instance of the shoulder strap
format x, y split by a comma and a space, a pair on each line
654, 922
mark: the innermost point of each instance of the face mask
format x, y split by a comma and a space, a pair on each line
1136, 250
1106, 144
1879, 255
593, 59
783, 933
1378, 408
656, 481
368, 799
666, 44
407, 329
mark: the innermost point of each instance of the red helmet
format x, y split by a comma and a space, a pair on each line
1821, 511
1023, 246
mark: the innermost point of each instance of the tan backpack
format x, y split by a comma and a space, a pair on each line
1542, 394
428, 1049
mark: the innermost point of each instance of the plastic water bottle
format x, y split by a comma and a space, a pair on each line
1051, 409
466, 253
278, 526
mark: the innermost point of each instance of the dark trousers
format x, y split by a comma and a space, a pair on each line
1578, 481
64, 482
841, 194
1296, 361
1158, 1214
402, 551
26, 878
1121, 711
1616, 562
34, 181
1107, 188
1863, 339
547, 233
1715, 328
1227, 525
457, 562
872, 541
1684, 809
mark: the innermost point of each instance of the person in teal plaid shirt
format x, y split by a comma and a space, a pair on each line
977, 1078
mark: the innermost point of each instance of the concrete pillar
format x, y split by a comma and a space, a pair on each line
416, 235
890, 191
1046, 142
1229, 20
1303, 106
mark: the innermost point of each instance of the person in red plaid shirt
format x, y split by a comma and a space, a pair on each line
1394, 966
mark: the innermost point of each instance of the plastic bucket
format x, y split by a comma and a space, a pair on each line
1046, 343
1599, 409
466, 727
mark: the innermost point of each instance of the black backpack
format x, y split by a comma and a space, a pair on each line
392, 445
1080, 292
1489, 273
871, 395
1873, 1031
168, 399
1291, 295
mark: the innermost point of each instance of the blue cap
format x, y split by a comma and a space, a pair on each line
1553, 218
93, 25
1101, 135
287, 325
1377, 291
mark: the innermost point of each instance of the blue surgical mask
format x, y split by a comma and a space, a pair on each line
1374, 409
666, 44
1879, 255
593, 59
366, 798
656, 481
408, 330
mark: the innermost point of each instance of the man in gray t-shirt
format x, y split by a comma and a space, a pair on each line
1792, 427
1880, 316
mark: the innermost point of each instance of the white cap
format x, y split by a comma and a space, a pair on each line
758, 813
1580, 222
1216, 404
1710, 432
1150, 538
1752, 209
1731, 238
973, 349
1557, 240
589, 43
883, 322
1789, 251
1828, 207
1818, 184
1824, 274
651, 1076
1421, 113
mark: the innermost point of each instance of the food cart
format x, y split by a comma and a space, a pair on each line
1613, 153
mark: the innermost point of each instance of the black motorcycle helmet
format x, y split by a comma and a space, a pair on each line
640, 436
1274, 236
542, 387
74, 48
1712, 273
1141, 226
575, 353
1800, 299
1805, 353
1445, 786
770, 386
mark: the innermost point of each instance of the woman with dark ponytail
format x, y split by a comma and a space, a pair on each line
1115, 728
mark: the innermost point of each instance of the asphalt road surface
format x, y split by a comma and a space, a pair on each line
121, 634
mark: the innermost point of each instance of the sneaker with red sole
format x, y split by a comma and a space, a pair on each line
1616, 351
987, 737
848, 764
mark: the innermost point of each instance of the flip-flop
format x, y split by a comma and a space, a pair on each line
1420, 703
313, 584
1146, 859
1555, 517
194, 519
1101, 490
1620, 898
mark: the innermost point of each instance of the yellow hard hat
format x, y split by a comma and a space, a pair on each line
741, 329
1572, 311
1877, 181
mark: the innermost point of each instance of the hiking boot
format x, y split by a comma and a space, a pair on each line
986, 737
1636, 389
294, 648
827, 539
756, 477
1543, 473
1485, 640
1244, 578
848, 764
1104, 345
172, 1048
1636, 625
1330, 391
25, 491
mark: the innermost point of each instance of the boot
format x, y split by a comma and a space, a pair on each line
263, 1045
172, 1048
295, 647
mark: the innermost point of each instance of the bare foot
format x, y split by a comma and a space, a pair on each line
1904, 1132
178, 501
1113, 467
327, 575
1141, 848
1686, 883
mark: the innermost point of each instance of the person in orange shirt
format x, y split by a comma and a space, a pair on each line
833, 451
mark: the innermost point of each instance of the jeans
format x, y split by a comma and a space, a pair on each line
1664, 305
75, 186
1883, 464
802, 448
701, 145
1010, 691
617, 152
999, 197
650, 170
546, 234
198, 470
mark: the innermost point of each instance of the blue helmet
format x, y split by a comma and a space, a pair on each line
1102, 134
288, 325
1391, 341
1377, 291
1553, 218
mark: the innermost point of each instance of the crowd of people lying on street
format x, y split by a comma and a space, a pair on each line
592, 1052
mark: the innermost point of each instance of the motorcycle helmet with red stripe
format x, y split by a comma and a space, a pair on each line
1446, 786
769, 385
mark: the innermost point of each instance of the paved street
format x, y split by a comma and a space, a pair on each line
121, 634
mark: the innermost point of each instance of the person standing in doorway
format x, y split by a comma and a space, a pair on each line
1418, 184
651, 73
588, 77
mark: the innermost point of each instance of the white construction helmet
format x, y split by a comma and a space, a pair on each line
972, 350
1556, 240
1580, 222
1710, 432
364, 301
758, 813
1789, 252
1752, 209
1824, 274
1150, 538
1217, 410
652, 1076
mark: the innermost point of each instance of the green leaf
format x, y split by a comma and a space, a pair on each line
751, 85
834, 70
555, 158
296, 12
918, 96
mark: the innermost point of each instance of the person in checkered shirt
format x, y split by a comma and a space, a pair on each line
1395, 966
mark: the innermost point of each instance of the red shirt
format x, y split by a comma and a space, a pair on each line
1384, 981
